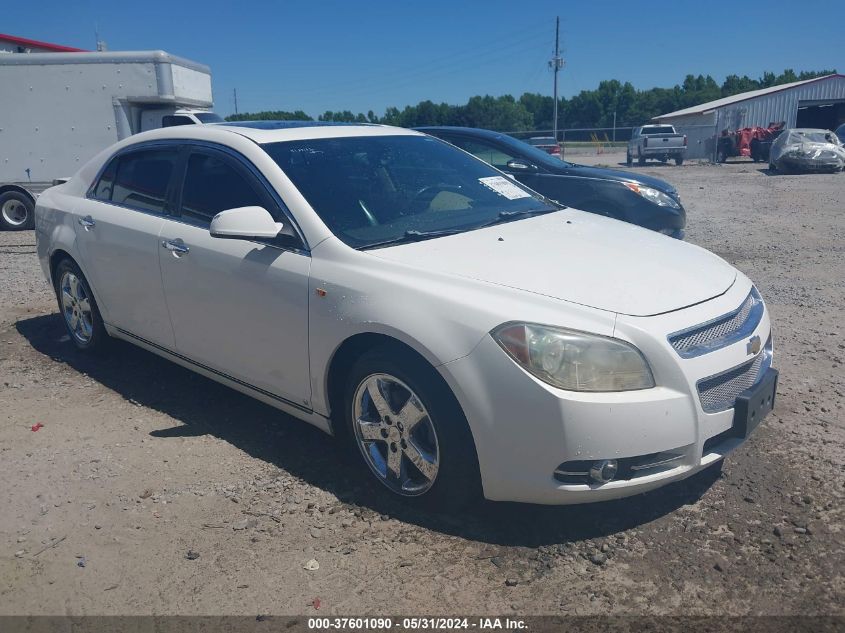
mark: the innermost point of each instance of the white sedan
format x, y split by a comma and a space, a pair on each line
462, 334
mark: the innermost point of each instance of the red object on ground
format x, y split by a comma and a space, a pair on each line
37, 426
747, 134
315, 603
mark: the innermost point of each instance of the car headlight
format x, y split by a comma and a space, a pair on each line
653, 195
575, 361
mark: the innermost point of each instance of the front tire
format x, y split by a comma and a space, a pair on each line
17, 211
409, 432
78, 308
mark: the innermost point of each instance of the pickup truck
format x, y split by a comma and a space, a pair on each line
661, 142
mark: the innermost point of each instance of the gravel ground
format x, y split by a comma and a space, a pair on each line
150, 490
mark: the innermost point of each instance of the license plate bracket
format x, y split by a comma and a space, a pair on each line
754, 404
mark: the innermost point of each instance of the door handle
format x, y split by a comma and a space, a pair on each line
177, 247
87, 222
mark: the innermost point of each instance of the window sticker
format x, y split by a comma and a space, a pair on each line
504, 187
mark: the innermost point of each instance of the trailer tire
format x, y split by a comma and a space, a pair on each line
17, 211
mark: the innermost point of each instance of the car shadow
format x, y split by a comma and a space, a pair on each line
204, 407
651, 163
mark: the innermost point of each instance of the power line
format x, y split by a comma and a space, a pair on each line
431, 68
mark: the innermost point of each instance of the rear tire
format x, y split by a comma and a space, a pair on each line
640, 160
398, 414
17, 211
629, 160
78, 308
679, 160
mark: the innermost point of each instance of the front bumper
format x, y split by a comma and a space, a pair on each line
524, 429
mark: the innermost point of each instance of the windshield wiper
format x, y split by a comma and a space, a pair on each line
506, 216
418, 236
414, 236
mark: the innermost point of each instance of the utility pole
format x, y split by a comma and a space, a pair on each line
235, 93
556, 63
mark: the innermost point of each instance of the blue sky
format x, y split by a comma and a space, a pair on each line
329, 55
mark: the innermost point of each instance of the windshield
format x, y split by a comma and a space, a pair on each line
818, 136
208, 117
374, 189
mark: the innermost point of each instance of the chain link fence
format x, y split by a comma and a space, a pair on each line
701, 139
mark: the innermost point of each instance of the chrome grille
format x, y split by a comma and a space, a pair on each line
720, 332
718, 393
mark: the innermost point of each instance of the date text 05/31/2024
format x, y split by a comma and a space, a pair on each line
411, 623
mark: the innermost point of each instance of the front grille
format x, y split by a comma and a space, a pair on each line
719, 392
720, 332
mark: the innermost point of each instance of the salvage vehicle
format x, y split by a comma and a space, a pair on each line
61, 109
660, 142
807, 150
461, 334
649, 202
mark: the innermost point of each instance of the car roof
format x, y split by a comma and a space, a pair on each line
276, 131
477, 131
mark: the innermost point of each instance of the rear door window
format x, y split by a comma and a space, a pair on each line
139, 180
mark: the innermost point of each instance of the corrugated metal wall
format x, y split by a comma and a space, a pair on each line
701, 129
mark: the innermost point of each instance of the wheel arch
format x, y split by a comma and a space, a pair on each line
350, 350
55, 257
18, 189
355, 346
60, 253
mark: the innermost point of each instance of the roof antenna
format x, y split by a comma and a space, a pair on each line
101, 45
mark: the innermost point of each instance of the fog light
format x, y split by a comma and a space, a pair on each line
603, 471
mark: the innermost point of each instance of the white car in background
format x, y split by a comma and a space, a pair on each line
461, 333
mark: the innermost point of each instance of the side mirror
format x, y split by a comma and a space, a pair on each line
520, 165
244, 223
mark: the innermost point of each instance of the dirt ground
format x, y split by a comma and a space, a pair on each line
140, 462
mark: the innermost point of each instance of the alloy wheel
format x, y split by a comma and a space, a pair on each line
395, 434
76, 308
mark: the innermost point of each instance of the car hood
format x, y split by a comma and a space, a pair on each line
623, 176
578, 257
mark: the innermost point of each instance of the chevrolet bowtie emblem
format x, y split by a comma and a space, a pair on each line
753, 346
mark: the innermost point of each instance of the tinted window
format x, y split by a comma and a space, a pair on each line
213, 184
663, 129
369, 189
142, 178
172, 120
488, 153
103, 189
208, 117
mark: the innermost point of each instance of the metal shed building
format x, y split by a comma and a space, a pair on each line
816, 102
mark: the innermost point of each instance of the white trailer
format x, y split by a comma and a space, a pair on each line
57, 110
